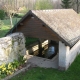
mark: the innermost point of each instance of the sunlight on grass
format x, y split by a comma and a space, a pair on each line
7, 21
73, 73
5, 27
3, 30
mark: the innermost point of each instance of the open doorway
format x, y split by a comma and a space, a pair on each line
52, 49
49, 51
44, 48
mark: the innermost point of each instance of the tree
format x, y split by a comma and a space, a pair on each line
43, 4
77, 3
66, 4
2, 14
10, 9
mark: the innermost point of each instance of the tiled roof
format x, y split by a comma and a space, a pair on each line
64, 22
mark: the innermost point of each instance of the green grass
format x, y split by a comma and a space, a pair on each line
7, 21
4, 30
73, 73
30, 40
5, 27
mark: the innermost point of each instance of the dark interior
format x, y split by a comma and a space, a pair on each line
42, 52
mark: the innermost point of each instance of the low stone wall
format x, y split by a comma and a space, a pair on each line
11, 46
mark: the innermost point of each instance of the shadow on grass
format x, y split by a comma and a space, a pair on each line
3, 32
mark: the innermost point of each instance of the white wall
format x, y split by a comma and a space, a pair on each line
63, 53
67, 55
74, 51
11, 46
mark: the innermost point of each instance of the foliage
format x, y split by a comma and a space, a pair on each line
10, 68
2, 14
21, 60
77, 4
10, 10
19, 15
23, 10
66, 4
73, 73
43, 4
1, 24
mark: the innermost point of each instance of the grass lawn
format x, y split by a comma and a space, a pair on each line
5, 27
7, 21
30, 40
73, 73
4, 30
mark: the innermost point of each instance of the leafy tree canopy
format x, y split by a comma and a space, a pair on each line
66, 4
43, 4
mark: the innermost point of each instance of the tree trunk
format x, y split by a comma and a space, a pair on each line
11, 21
77, 6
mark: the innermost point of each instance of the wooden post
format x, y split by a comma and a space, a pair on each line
40, 48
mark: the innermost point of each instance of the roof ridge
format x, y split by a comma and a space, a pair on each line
51, 9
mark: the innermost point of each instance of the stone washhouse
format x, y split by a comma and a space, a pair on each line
59, 25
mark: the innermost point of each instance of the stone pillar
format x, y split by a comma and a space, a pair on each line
63, 56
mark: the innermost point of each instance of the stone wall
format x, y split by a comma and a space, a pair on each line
11, 47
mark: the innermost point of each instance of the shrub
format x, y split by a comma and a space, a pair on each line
8, 69
66, 4
1, 24
2, 14
19, 15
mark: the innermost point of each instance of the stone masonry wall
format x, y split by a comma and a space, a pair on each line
11, 46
